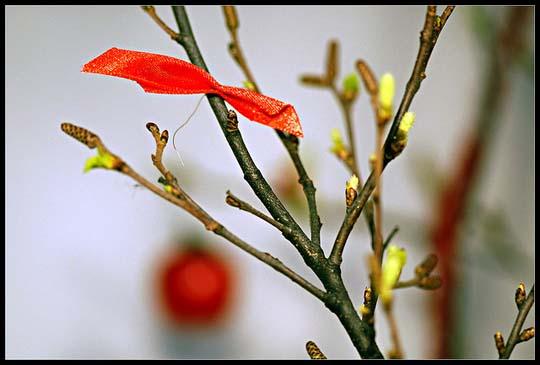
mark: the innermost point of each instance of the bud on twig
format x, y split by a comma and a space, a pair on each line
351, 88
166, 186
314, 352
368, 295
430, 282
332, 62
527, 334
313, 80
402, 136
351, 190
231, 18
372, 161
232, 121
164, 136
152, 127
396, 258
499, 342
367, 77
426, 267
386, 97
521, 295
81, 134
231, 200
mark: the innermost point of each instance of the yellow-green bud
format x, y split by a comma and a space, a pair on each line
402, 134
351, 190
386, 95
396, 258
249, 85
337, 141
166, 186
101, 160
407, 122
353, 182
351, 87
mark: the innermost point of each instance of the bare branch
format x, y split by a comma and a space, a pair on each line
236, 202
516, 336
151, 11
186, 203
290, 142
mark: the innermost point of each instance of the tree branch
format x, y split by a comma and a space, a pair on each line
236, 202
428, 39
337, 300
514, 337
290, 142
185, 202
311, 254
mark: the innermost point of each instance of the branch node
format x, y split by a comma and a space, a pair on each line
232, 121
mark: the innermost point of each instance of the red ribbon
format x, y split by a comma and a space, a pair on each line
168, 75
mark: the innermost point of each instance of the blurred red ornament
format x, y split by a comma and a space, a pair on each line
195, 286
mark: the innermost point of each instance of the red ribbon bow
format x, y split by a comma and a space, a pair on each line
168, 75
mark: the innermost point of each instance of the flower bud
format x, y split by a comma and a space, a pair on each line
527, 334
430, 282
426, 267
499, 342
386, 96
396, 258
314, 352
351, 87
102, 160
521, 295
351, 190
402, 136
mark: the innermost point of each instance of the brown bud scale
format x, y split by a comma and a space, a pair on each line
81, 134
314, 352
369, 79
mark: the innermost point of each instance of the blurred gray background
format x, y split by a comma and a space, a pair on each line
80, 248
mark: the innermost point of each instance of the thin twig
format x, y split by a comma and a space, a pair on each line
390, 236
514, 337
397, 352
236, 202
187, 204
290, 142
428, 39
151, 11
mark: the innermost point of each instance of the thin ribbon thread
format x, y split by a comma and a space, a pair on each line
182, 126
168, 75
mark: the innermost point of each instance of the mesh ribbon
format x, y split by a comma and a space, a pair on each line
168, 75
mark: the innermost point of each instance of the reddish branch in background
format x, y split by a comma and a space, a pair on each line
453, 200
444, 238
168, 75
